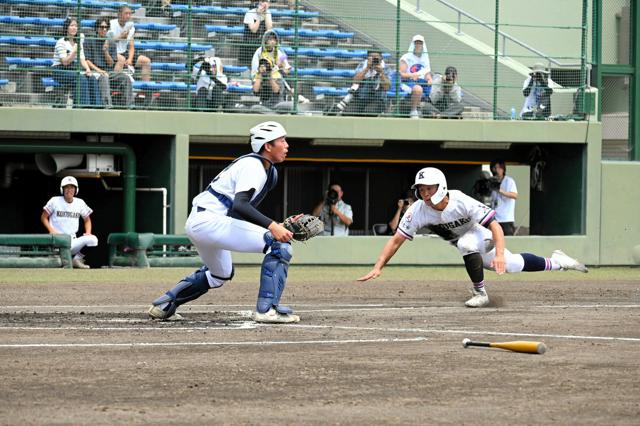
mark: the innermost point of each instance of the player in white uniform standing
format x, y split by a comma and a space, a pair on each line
224, 218
471, 227
61, 215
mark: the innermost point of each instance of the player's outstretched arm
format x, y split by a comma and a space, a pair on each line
498, 262
389, 249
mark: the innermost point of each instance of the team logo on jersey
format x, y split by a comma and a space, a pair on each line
408, 217
415, 67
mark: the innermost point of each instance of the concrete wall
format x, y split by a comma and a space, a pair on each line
561, 21
620, 220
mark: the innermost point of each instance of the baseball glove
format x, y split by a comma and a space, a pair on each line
304, 226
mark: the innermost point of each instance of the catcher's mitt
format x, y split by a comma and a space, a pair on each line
304, 226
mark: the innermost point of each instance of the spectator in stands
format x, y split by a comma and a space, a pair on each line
415, 71
210, 83
268, 67
334, 212
101, 56
68, 54
121, 31
537, 92
445, 99
61, 215
368, 94
257, 21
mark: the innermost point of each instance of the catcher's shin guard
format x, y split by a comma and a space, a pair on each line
188, 289
273, 276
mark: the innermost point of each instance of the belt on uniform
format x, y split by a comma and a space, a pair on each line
222, 198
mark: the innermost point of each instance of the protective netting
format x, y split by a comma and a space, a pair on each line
407, 58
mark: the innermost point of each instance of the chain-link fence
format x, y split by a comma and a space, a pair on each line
418, 59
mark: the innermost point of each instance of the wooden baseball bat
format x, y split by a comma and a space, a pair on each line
516, 346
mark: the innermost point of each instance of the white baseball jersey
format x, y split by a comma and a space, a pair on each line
213, 232
462, 215
64, 216
244, 174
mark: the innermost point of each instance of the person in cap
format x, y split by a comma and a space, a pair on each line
537, 92
61, 215
415, 71
445, 99
224, 218
471, 227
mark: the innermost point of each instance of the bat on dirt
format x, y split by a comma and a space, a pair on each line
516, 346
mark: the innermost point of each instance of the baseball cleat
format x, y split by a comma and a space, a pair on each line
158, 314
567, 262
480, 299
79, 264
274, 317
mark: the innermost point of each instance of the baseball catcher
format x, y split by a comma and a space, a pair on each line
304, 226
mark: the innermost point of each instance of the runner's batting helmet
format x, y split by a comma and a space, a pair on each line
431, 176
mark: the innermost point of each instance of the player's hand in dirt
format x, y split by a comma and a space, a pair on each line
280, 233
374, 273
498, 264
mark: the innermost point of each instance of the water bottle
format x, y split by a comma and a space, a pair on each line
513, 113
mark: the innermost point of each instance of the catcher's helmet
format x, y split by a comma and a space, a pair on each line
69, 180
265, 132
431, 176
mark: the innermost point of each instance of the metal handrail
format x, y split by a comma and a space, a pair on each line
504, 36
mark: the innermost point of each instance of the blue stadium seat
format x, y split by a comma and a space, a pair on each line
74, 3
219, 10
224, 29
240, 88
324, 72
3, 81
158, 45
329, 53
29, 62
49, 82
28, 41
168, 66
152, 26
234, 69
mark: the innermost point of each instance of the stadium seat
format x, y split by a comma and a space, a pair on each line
74, 3
160, 45
28, 41
219, 10
4, 81
14, 62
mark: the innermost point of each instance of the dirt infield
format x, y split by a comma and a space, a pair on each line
77, 348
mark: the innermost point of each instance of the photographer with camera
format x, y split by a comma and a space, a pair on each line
537, 92
210, 82
445, 99
334, 212
368, 94
268, 67
403, 206
504, 196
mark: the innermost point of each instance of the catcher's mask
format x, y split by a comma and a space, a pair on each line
431, 176
265, 132
69, 180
